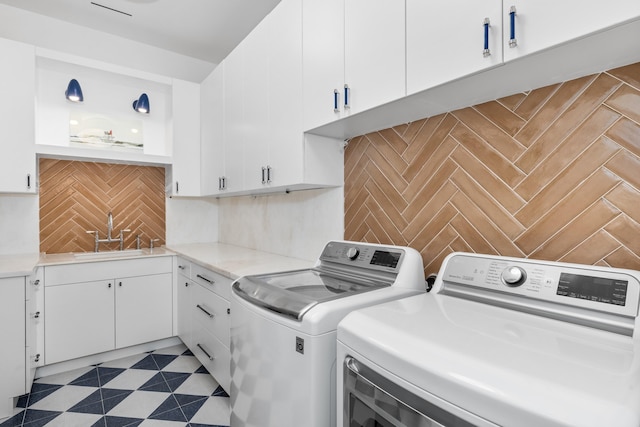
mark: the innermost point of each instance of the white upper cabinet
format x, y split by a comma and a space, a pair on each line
354, 57
186, 138
17, 109
233, 121
323, 61
452, 39
537, 25
374, 51
256, 95
212, 167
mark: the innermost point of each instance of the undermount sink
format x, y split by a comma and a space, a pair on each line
108, 254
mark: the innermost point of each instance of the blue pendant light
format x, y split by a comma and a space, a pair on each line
74, 91
141, 105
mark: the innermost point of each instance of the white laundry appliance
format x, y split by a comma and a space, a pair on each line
498, 342
283, 330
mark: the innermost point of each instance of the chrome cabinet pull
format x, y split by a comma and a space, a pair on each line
177, 188
512, 27
205, 311
268, 174
109, 285
264, 180
36, 315
28, 181
36, 282
205, 351
347, 97
224, 182
486, 51
211, 282
181, 267
37, 358
336, 100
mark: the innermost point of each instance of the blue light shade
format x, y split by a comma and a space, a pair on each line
141, 105
74, 91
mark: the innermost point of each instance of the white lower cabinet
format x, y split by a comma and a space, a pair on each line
130, 302
12, 337
143, 309
203, 318
80, 320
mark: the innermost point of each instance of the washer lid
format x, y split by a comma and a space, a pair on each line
294, 293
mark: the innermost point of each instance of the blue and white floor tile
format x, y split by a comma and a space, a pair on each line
163, 388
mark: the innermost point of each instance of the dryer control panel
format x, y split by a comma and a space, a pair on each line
607, 290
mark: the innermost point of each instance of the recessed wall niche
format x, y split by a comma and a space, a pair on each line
76, 196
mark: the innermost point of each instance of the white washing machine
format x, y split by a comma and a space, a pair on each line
283, 330
498, 342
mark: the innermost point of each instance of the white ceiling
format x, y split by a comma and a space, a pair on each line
203, 29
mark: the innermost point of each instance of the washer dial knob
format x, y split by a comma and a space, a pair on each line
514, 276
352, 253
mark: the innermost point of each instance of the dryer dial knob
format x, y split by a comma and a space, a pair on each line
514, 276
352, 253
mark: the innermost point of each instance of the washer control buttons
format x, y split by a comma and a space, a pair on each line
513, 276
352, 253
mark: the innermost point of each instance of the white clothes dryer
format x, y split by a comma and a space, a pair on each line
498, 342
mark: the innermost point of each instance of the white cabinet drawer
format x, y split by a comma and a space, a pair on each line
105, 270
210, 280
214, 356
211, 312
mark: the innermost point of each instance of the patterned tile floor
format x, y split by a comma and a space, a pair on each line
167, 387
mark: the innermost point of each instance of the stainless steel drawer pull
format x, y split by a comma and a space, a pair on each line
205, 352
205, 279
205, 311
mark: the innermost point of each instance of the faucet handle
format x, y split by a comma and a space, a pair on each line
151, 242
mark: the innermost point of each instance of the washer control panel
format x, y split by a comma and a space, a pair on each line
602, 289
373, 257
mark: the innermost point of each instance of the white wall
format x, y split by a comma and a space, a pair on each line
191, 220
19, 224
42, 31
297, 224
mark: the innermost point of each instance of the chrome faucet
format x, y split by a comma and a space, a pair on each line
109, 239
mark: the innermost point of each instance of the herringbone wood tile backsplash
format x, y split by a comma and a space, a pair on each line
77, 196
550, 174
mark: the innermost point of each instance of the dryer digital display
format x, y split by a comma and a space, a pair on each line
609, 291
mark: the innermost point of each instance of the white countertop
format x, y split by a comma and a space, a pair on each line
18, 265
70, 258
235, 261
229, 260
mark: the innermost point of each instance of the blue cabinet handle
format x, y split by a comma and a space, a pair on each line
512, 27
486, 51
347, 100
336, 95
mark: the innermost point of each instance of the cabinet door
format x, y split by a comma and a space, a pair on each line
212, 132
186, 138
144, 309
255, 104
17, 109
12, 337
185, 297
323, 60
374, 40
79, 320
233, 128
542, 24
446, 40
285, 139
